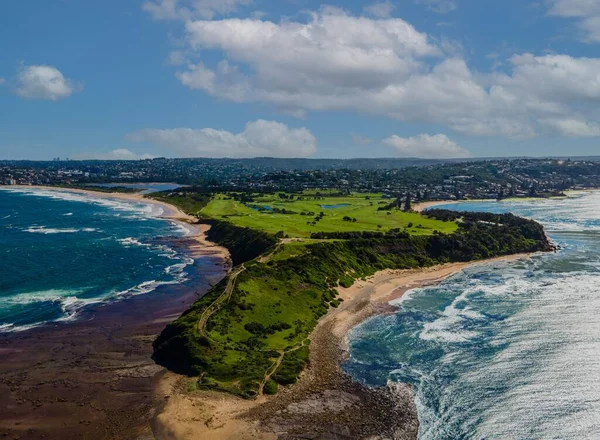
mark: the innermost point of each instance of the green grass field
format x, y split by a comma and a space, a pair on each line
302, 215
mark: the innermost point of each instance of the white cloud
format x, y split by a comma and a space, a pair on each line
574, 127
438, 146
118, 154
259, 138
380, 9
190, 9
44, 82
2, 81
338, 62
586, 12
439, 6
177, 58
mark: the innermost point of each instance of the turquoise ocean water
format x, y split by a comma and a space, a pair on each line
61, 251
506, 350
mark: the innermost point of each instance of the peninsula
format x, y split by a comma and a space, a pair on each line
308, 266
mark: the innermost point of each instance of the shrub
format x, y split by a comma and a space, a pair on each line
271, 387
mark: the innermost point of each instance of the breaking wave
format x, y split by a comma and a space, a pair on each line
503, 351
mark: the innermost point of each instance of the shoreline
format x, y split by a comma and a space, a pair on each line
94, 377
325, 401
196, 231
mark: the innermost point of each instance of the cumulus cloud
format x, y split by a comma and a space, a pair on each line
190, 9
259, 138
380, 9
384, 66
438, 146
44, 82
439, 6
586, 12
574, 127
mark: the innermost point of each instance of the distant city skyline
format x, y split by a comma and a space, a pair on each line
124, 79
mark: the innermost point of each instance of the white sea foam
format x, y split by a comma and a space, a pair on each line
50, 295
131, 241
145, 287
145, 209
46, 230
11, 328
68, 301
506, 352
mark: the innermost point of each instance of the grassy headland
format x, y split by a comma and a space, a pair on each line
300, 215
249, 334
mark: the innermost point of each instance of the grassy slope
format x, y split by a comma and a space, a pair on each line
368, 218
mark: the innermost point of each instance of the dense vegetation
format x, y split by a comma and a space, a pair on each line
188, 201
249, 333
244, 244
399, 178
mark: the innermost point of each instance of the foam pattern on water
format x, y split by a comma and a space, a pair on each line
63, 251
503, 351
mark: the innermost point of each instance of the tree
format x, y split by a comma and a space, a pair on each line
407, 204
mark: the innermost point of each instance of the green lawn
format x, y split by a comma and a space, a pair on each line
302, 221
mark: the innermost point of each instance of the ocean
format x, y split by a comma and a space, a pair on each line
62, 251
505, 350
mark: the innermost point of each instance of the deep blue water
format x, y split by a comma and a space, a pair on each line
504, 350
61, 251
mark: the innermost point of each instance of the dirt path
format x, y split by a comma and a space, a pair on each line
216, 304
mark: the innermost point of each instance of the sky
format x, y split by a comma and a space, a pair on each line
130, 79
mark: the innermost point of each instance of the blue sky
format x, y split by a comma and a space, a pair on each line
299, 78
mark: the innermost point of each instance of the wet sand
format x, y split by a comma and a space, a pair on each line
94, 378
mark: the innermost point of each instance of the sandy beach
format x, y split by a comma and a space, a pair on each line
325, 403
